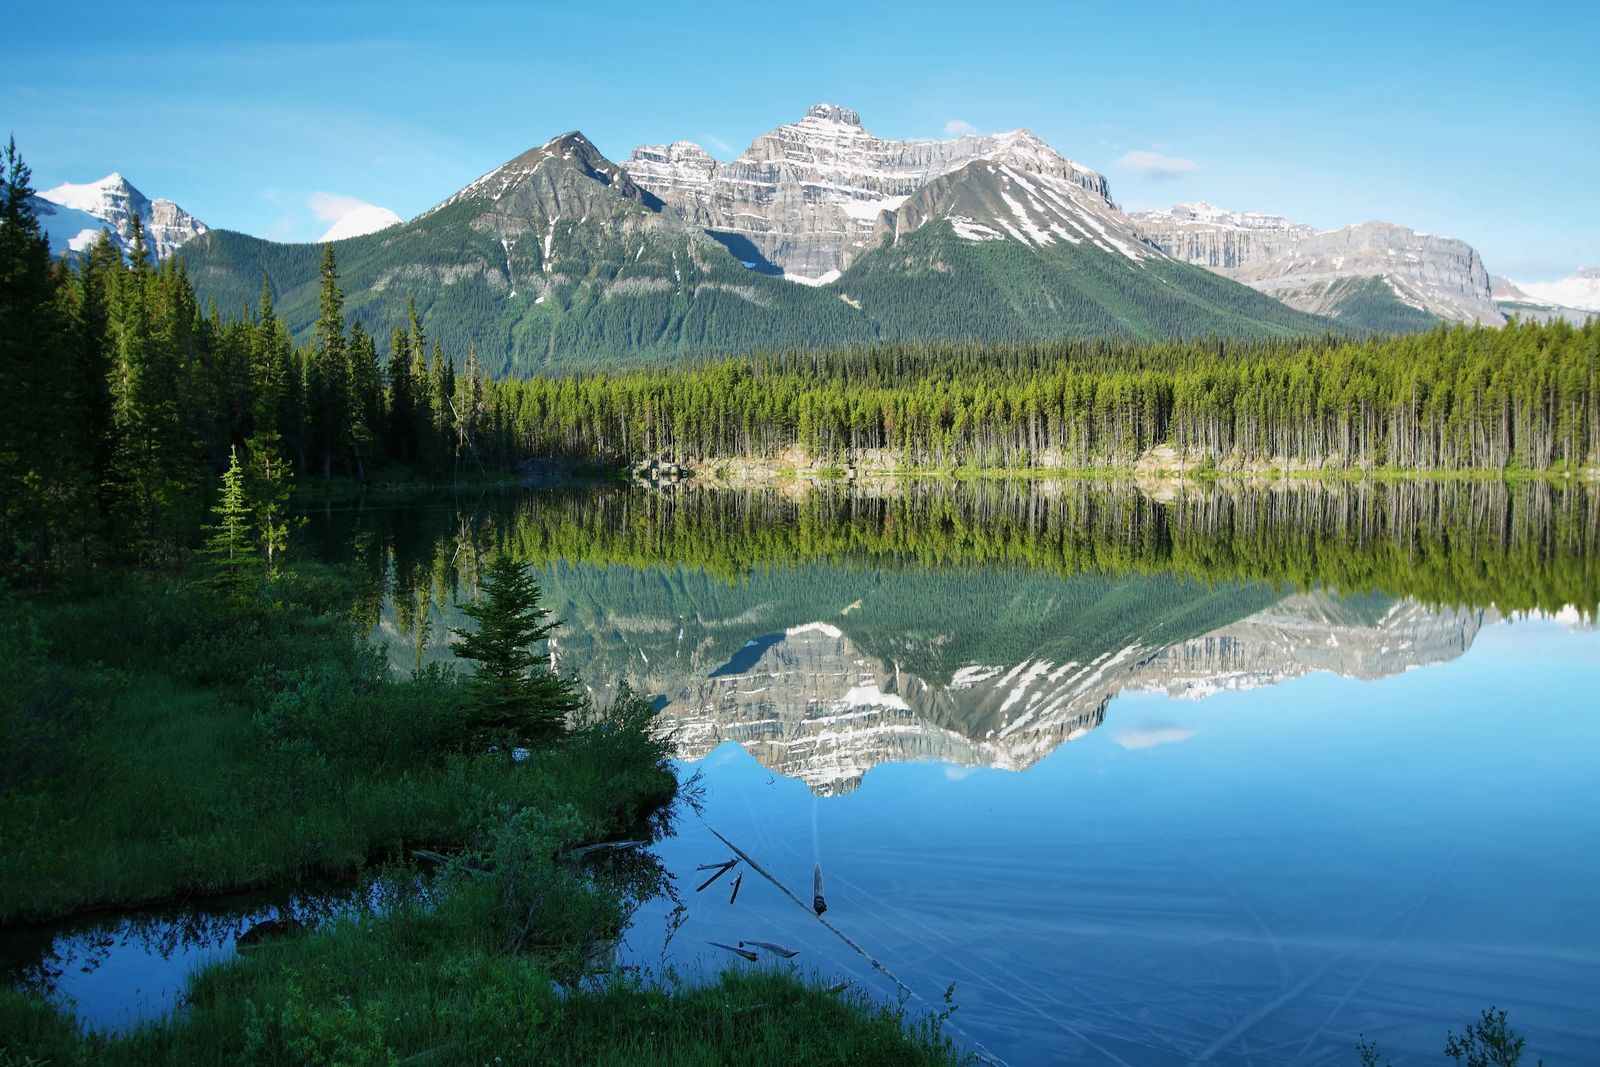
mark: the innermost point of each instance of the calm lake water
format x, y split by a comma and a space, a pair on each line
1158, 776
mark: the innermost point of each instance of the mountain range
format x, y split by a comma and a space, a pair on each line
562, 258
821, 233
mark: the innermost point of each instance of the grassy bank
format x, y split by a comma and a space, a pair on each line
161, 744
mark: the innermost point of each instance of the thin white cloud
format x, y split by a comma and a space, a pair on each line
959, 128
1151, 736
1157, 167
348, 217
719, 144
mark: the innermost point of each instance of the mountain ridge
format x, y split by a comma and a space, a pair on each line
1374, 274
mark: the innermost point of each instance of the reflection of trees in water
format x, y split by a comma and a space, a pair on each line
85, 945
1519, 545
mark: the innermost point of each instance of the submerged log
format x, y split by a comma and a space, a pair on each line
773, 947
818, 904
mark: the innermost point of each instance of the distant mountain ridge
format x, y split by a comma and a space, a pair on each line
563, 259
1375, 274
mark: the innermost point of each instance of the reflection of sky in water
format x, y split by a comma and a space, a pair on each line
1259, 875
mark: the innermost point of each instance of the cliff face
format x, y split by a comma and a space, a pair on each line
1314, 270
805, 198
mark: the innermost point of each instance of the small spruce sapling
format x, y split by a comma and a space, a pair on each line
513, 697
230, 548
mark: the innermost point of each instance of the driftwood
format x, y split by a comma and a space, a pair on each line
721, 870
736, 883
818, 904
268, 930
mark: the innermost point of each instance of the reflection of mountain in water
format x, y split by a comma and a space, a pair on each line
1369, 638
976, 667
811, 705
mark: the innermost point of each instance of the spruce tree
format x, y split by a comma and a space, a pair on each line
269, 484
328, 377
513, 697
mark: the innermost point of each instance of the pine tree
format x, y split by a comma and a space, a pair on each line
401, 426
230, 550
513, 698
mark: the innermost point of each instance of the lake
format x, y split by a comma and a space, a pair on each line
1163, 774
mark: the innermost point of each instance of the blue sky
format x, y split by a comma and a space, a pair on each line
1474, 120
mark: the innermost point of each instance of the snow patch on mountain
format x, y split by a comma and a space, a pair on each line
67, 229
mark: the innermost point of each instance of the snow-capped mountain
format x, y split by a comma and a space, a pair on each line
1580, 290
1329, 271
807, 198
113, 202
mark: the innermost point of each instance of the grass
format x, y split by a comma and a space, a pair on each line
409, 990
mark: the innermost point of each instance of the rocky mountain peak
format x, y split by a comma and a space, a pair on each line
114, 203
568, 160
995, 200
833, 113
805, 198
